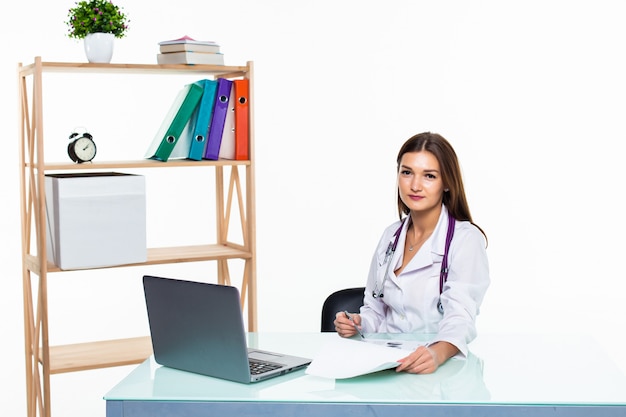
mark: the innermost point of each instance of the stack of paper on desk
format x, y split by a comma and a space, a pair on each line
346, 358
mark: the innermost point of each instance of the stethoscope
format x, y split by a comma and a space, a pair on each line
391, 249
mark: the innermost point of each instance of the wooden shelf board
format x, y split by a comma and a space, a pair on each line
195, 253
83, 67
178, 254
141, 163
101, 354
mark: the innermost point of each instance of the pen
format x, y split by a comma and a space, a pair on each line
348, 315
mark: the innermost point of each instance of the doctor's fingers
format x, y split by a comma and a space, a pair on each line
421, 361
349, 318
344, 331
342, 322
344, 326
341, 318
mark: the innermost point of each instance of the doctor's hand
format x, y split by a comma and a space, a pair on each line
426, 360
423, 360
344, 326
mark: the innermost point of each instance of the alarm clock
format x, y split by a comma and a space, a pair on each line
81, 148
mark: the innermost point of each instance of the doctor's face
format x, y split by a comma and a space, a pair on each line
419, 182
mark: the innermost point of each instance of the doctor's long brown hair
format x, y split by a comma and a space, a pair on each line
454, 199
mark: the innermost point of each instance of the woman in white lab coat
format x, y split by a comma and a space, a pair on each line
408, 290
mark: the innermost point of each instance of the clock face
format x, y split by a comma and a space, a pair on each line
84, 149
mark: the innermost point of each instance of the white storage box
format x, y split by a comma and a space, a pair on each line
95, 219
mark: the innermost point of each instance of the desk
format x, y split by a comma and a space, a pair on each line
512, 375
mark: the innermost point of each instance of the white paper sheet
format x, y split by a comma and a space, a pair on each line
346, 358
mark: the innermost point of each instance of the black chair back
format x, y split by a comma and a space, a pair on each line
349, 299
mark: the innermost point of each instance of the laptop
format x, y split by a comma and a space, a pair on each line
198, 327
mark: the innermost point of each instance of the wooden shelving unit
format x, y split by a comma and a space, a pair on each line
43, 360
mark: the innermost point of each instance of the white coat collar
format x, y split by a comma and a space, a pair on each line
432, 250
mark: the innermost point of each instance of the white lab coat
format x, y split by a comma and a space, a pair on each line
410, 300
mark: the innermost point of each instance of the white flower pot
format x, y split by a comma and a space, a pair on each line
99, 47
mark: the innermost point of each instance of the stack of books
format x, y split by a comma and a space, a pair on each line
189, 51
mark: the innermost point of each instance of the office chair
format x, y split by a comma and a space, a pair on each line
350, 299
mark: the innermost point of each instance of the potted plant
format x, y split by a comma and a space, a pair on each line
98, 22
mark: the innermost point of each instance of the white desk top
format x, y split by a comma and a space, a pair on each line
502, 369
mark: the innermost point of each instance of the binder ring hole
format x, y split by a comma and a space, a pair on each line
170, 139
199, 138
223, 99
242, 100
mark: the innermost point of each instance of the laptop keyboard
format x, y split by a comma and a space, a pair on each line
259, 367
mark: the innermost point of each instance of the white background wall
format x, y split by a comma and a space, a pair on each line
531, 94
